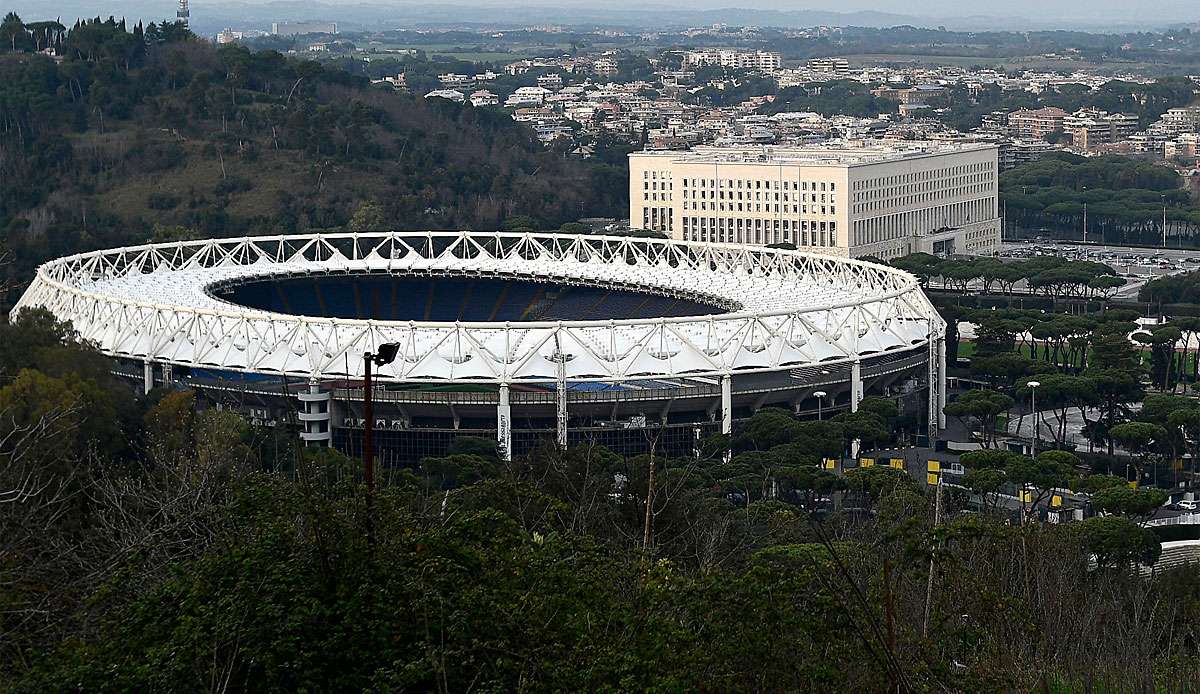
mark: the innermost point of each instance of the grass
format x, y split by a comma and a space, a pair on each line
966, 350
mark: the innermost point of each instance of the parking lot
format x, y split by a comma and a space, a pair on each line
1137, 265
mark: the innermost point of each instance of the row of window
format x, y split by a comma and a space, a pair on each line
890, 182
759, 184
931, 219
757, 195
760, 207
760, 231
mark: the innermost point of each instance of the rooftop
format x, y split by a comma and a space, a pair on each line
834, 153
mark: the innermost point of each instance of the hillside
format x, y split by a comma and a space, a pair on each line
144, 129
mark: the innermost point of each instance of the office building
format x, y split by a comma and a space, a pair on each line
847, 199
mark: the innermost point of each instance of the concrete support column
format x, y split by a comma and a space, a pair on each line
726, 404
855, 385
560, 399
934, 381
727, 410
942, 382
147, 376
504, 424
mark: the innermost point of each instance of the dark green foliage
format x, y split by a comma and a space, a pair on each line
1124, 197
150, 126
847, 97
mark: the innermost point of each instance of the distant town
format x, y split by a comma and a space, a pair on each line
675, 98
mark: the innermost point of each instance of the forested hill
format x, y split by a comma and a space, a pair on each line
130, 129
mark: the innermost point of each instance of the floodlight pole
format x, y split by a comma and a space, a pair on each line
384, 355
1033, 386
368, 425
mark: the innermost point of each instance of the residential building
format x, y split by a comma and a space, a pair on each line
1091, 127
833, 66
294, 28
453, 81
1181, 120
527, 96
1036, 124
605, 66
1017, 152
765, 61
1186, 146
842, 198
484, 98
551, 82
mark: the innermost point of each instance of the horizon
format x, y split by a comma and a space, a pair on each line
1103, 16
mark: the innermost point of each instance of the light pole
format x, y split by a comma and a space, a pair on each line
385, 354
820, 396
1033, 386
1085, 217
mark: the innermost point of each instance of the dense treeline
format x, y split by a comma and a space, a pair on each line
176, 548
145, 127
1125, 199
837, 97
1050, 276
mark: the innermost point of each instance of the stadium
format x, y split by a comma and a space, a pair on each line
525, 337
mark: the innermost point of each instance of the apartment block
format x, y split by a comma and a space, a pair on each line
1036, 124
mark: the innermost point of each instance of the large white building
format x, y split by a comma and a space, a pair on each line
766, 61
861, 199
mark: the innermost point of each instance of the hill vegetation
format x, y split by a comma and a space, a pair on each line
146, 130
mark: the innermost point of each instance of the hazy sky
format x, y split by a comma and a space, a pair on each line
1039, 13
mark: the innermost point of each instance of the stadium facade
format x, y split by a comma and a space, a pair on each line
525, 337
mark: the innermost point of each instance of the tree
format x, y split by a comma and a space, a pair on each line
1115, 390
1051, 470
11, 28
1106, 285
1162, 341
1060, 393
1129, 502
982, 406
1140, 439
368, 217
1115, 541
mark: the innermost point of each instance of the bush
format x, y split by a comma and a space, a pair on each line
162, 200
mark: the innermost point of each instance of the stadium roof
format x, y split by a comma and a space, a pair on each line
783, 309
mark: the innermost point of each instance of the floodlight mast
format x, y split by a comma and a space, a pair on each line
385, 354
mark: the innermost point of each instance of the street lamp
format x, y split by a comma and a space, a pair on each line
1033, 386
1085, 216
385, 354
820, 396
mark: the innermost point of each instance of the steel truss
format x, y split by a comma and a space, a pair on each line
785, 309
